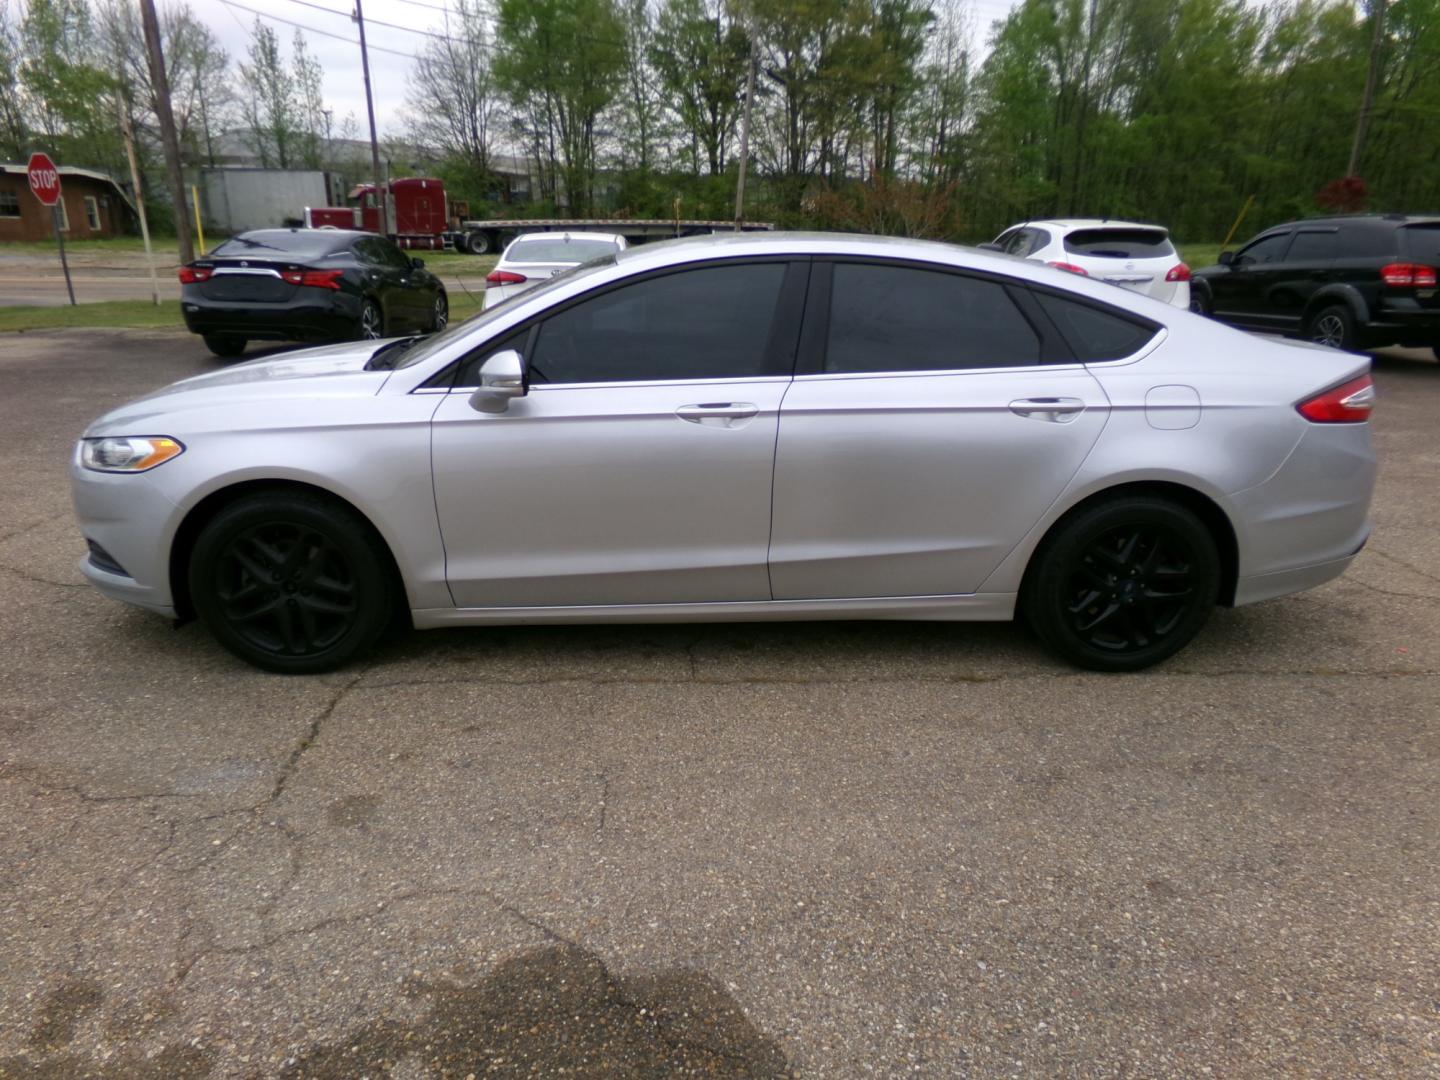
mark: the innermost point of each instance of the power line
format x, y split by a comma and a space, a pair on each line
313, 30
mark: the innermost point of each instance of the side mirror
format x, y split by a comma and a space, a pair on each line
1227, 258
502, 377
990, 246
417, 263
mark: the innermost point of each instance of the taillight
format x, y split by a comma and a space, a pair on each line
504, 277
316, 279
1178, 272
1069, 268
193, 275
1348, 403
1399, 275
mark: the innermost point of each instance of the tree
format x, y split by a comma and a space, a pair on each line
700, 56
453, 100
14, 135
269, 105
561, 62
308, 81
63, 88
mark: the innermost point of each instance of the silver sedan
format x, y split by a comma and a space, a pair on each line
745, 428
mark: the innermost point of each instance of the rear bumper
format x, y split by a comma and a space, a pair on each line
1402, 321
1251, 590
331, 318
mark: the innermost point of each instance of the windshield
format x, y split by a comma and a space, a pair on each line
306, 243
433, 344
574, 249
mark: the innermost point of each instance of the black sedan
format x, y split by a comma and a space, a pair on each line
308, 285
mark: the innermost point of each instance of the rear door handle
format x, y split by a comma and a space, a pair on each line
1054, 410
718, 413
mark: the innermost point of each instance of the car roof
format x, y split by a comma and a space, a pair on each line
1093, 223
798, 244
577, 235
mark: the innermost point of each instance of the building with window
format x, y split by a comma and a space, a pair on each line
91, 204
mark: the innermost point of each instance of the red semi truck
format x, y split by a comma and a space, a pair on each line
421, 216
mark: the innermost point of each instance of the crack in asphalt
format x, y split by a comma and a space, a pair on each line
1401, 562
308, 740
26, 575
4, 537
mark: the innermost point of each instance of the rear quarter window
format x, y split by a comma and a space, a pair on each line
1096, 333
1422, 243
1120, 243
1369, 240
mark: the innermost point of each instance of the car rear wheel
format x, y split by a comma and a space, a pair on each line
1123, 584
225, 344
1333, 326
372, 321
1199, 302
440, 312
291, 582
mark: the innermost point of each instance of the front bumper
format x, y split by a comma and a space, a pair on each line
133, 522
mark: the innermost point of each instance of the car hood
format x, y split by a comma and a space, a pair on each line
328, 372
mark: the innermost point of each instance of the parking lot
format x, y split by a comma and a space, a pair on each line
826, 850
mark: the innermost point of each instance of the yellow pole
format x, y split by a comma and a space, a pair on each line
199, 230
1243, 211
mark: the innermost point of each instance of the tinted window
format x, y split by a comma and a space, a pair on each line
1039, 239
1095, 333
469, 373
1268, 249
711, 323
895, 318
1017, 242
1423, 243
1369, 240
301, 243
1120, 243
574, 250
1313, 247
1003, 240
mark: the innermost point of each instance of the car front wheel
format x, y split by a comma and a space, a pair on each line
291, 582
372, 322
440, 312
1122, 584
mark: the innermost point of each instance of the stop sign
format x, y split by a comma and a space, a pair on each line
44, 179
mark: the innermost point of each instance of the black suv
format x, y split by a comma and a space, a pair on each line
1356, 282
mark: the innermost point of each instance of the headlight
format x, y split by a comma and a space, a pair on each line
128, 454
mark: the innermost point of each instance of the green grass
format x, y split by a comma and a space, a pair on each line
1199, 255
108, 313
456, 262
162, 245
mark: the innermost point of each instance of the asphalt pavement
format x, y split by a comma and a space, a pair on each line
828, 850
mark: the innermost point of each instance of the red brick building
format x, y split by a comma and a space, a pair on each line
92, 205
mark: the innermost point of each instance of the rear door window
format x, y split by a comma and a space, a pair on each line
898, 318
1422, 243
1313, 246
1118, 243
1095, 333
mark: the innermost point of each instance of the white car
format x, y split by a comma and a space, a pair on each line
1125, 253
534, 257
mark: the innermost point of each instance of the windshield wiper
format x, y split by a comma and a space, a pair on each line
385, 356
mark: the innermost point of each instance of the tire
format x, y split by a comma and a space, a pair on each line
292, 582
1199, 302
371, 324
1435, 351
1333, 326
1123, 584
462, 243
225, 345
439, 312
477, 243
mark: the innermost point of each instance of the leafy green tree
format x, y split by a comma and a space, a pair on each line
700, 56
269, 105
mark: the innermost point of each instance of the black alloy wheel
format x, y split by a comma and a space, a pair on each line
291, 582
440, 312
372, 321
1123, 584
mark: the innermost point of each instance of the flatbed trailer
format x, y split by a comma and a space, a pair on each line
485, 237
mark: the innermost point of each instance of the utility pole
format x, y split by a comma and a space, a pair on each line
1372, 77
160, 84
745, 130
359, 18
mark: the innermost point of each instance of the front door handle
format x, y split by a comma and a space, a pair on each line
1054, 410
718, 413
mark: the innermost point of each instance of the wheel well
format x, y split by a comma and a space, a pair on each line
1335, 299
1202, 506
206, 509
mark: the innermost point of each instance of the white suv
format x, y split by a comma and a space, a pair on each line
1124, 253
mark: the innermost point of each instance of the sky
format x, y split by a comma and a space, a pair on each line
391, 47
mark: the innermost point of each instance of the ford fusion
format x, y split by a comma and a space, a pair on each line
745, 428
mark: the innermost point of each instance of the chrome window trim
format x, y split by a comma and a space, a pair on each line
621, 384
